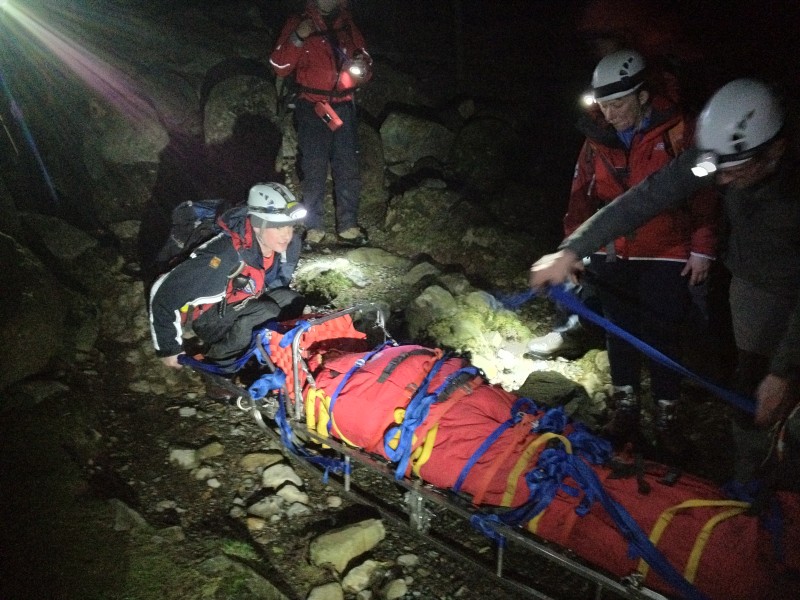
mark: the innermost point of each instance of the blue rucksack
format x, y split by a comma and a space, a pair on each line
193, 223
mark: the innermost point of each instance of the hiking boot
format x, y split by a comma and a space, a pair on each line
666, 417
624, 424
353, 236
667, 435
314, 237
555, 344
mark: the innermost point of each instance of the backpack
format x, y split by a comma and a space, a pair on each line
192, 224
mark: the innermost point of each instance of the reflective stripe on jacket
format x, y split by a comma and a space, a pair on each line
316, 64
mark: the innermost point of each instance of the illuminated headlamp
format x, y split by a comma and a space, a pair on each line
707, 163
296, 211
356, 70
587, 99
272, 216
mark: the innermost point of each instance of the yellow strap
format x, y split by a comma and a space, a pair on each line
312, 396
423, 453
522, 463
534, 522
320, 426
666, 516
702, 539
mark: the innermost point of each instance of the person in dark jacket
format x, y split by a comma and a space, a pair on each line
233, 283
323, 50
742, 148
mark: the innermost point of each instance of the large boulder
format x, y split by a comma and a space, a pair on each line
31, 313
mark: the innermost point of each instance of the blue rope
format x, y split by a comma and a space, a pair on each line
571, 302
555, 466
277, 380
561, 295
252, 350
415, 413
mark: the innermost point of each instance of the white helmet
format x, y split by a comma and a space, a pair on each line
738, 120
273, 205
618, 74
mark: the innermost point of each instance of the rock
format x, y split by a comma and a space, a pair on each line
395, 589
233, 575
38, 322
266, 507
360, 577
434, 304
407, 138
408, 560
184, 458
291, 493
278, 474
125, 518
329, 591
211, 450
298, 509
259, 460
338, 547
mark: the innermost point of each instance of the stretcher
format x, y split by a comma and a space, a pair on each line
343, 395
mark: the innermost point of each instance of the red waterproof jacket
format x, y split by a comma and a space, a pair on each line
319, 62
606, 169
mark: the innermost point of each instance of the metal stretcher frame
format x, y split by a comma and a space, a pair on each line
421, 493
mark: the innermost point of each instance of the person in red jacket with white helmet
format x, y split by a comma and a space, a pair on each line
642, 279
323, 50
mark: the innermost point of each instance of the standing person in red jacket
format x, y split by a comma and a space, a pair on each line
642, 279
324, 51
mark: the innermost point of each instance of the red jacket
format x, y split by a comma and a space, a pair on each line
319, 68
606, 169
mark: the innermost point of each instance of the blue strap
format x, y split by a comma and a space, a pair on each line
288, 337
277, 380
516, 416
254, 349
266, 383
481, 451
640, 544
404, 443
563, 296
555, 466
572, 303
415, 414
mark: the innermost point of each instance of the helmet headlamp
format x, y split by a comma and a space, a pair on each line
707, 163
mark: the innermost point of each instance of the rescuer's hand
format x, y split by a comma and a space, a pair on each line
555, 269
774, 400
171, 361
697, 268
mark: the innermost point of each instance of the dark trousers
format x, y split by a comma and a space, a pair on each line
229, 334
650, 300
319, 147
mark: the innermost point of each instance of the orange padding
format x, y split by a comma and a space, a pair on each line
339, 334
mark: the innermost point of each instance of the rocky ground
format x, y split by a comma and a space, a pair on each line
110, 492
121, 480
